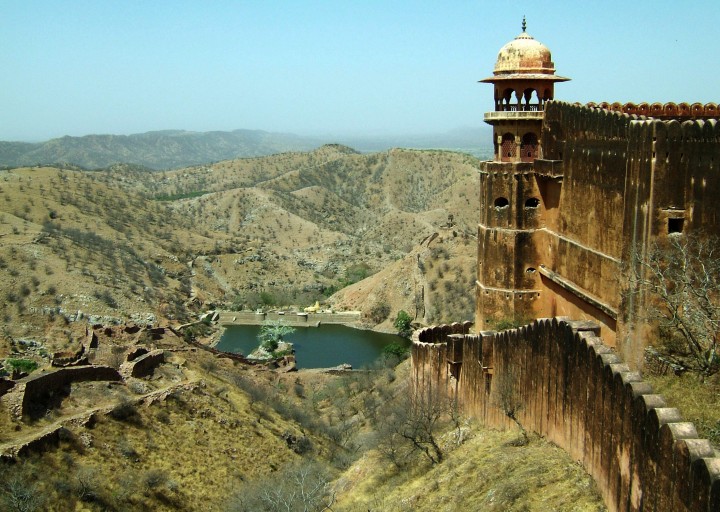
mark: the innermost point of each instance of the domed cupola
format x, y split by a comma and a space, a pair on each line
524, 80
524, 75
524, 55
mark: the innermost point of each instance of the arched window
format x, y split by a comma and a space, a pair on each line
507, 98
508, 148
528, 104
501, 202
529, 147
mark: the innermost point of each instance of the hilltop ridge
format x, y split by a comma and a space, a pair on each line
84, 251
170, 149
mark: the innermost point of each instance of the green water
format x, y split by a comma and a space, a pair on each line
317, 347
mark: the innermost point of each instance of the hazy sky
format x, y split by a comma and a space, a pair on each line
328, 67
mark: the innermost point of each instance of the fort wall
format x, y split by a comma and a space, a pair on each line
586, 241
578, 393
668, 110
612, 183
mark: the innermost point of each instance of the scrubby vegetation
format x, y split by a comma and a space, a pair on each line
268, 441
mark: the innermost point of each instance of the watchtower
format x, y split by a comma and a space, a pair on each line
511, 204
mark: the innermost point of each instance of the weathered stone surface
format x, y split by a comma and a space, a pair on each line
577, 393
558, 235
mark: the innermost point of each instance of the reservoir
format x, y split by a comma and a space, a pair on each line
317, 347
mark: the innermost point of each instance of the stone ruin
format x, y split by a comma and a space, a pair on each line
30, 396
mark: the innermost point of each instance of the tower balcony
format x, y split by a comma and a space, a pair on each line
514, 115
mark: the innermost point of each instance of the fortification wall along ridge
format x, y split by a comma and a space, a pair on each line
579, 394
38, 389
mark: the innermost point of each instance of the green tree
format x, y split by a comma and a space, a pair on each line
272, 332
393, 353
23, 365
402, 323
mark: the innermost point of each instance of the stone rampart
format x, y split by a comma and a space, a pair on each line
576, 392
627, 181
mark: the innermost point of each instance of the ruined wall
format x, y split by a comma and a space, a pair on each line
580, 395
142, 365
34, 391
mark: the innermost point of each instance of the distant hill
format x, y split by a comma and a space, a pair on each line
166, 149
172, 149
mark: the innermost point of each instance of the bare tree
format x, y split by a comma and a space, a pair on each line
508, 399
412, 422
682, 280
302, 487
18, 490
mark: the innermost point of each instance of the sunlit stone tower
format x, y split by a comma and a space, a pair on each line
514, 200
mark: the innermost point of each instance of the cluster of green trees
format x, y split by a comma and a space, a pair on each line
272, 333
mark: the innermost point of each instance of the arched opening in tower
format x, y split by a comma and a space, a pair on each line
529, 147
508, 148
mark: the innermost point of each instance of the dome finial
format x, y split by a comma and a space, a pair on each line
524, 24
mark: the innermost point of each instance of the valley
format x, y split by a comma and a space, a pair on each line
114, 268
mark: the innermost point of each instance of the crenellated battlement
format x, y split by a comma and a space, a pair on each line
663, 111
577, 392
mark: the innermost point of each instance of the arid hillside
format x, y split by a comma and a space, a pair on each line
127, 244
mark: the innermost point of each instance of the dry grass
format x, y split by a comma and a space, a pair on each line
288, 226
187, 452
697, 399
482, 474
214, 434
